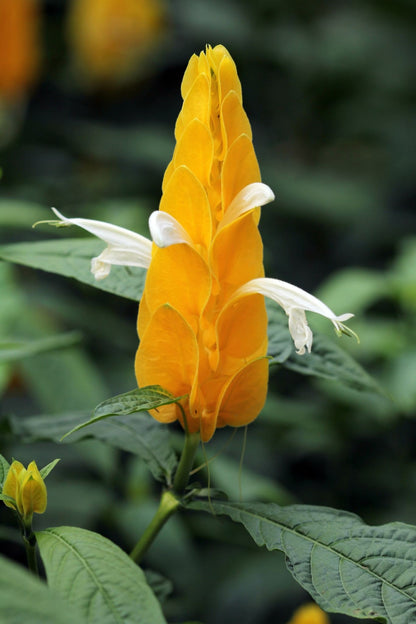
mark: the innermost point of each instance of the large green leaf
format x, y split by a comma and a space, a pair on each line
347, 566
98, 577
11, 350
72, 258
137, 433
26, 600
326, 360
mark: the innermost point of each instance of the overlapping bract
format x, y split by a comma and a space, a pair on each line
195, 339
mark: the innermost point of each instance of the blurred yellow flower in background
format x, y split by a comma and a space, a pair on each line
109, 39
27, 489
19, 46
309, 614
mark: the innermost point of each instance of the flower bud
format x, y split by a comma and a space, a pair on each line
27, 489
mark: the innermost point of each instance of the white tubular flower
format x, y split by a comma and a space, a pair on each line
295, 302
250, 197
166, 230
124, 247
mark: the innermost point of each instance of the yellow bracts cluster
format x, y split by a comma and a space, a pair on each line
109, 38
27, 489
196, 339
20, 49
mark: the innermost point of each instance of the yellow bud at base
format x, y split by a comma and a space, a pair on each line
27, 489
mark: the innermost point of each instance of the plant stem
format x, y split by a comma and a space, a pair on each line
168, 505
30, 545
186, 462
169, 501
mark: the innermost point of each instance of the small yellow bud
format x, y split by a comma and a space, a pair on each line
27, 488
309, 614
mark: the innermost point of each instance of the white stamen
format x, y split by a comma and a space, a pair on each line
166, 230
295, 301
250, 197
124, 247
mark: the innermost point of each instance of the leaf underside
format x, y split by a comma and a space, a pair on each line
139, 434
347, 566
72, 258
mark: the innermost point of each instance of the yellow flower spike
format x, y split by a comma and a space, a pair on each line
27, 488
20, 49
111, 40
309, 614
202, 321
213, 162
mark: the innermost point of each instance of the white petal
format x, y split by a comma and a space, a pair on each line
300, 331
124, 247
295, 301
101, 265
166, 230
250, 197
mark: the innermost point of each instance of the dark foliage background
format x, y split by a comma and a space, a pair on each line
329, 88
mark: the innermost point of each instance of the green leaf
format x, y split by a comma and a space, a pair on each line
97, 576
48, 468
326, 360
137, 400
12, 350
347, 566
141, 435
8, 499
4, 469
26, 600
161, 586
72, 258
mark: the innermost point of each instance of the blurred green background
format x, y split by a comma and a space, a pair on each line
329, 89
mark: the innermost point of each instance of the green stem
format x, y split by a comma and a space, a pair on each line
186, 462
30, 545
169, 501
168, 505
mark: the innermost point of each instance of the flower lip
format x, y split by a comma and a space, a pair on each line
295, 302
250, 197
166, 230
124, 247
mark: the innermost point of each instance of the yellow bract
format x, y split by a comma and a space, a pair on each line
109, 38
194, 340
27, 488
309, 614
20, 50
